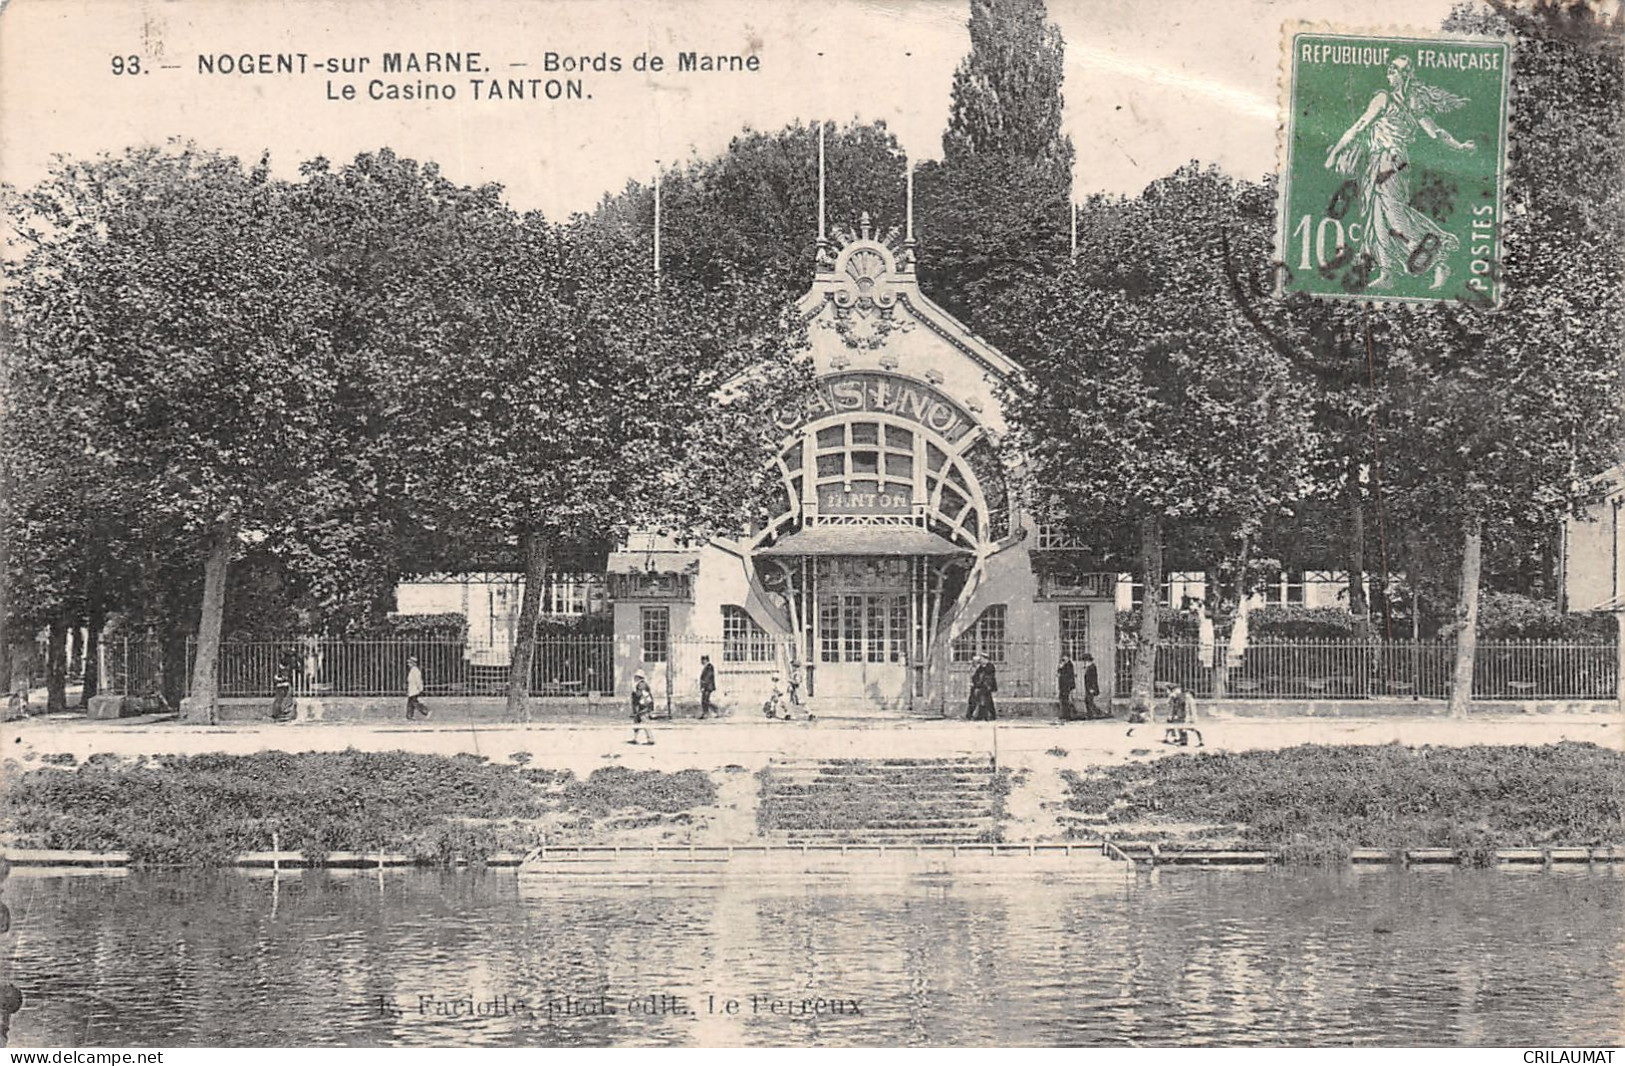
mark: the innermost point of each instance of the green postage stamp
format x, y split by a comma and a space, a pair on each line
1395, 147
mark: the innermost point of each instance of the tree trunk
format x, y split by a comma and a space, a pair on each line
201, 704
76, 650
533, 549
93, 651
1359, 607
8, 660
1143, 689
56, 667
1472, 552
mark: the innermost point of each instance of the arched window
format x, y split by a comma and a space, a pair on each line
894, 465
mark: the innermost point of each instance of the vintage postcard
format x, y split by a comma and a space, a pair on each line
878, 523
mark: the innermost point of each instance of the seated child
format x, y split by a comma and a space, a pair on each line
1181, 715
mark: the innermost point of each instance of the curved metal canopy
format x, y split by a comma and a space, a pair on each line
864, 540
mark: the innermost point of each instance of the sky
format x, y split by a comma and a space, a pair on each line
1149, 85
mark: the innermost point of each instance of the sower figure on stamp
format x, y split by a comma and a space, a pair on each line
1376, 152
1066, 680
414, 689
708, 685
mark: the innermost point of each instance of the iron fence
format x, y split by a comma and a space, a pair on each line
560, 666
591, 665
1328, 669
130, 667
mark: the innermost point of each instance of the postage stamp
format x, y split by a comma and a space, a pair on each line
1391, 182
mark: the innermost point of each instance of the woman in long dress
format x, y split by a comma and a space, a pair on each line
1376, 152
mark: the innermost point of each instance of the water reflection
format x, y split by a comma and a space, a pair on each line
1189, 957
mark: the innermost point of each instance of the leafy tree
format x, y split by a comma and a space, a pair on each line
1179, 412
170, 293
1506, 415
752, 212
574, 398
1006, 96
994, 211
1494, 422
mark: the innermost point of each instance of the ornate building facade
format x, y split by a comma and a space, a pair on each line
903, 548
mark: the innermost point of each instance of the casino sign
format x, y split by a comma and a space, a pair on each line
886, 394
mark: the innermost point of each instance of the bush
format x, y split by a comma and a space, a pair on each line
1171, 624
450, 626
1295, 622
1510, 616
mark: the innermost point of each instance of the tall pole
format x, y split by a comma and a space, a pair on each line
657, 223
908, 207
1074, 246
822, 239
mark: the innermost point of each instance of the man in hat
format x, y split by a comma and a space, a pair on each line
1091, 689
983, 684
1066, 680
414, 689
708, 685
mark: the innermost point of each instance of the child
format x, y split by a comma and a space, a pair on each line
775, 700
1181, 713
643, 706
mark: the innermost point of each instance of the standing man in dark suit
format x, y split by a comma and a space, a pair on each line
1066, 680
708, 685
984, 682
1091, 689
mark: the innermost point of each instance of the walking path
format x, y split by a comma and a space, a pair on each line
751, 741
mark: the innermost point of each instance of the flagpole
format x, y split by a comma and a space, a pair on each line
822, 239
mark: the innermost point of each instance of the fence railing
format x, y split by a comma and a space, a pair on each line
572, 666
592, 665
1324, 669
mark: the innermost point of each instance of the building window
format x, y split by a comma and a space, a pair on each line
1137, 592
829, 629
743, 641
572, 594
656, 634
1286, 588
1074, 631
984, 637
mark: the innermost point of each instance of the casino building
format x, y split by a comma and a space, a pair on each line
903, 548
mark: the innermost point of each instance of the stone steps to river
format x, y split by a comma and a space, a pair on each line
895, 801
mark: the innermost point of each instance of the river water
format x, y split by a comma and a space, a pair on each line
1275, 957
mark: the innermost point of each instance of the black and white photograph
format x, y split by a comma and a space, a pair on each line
859, 524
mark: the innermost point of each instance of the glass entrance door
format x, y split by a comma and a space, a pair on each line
863, 645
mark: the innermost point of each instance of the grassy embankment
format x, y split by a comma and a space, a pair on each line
205, 809
1316, 803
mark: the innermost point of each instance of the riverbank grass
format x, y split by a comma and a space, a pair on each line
1319, 802
204, 810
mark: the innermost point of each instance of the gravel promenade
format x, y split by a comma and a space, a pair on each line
751, 742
